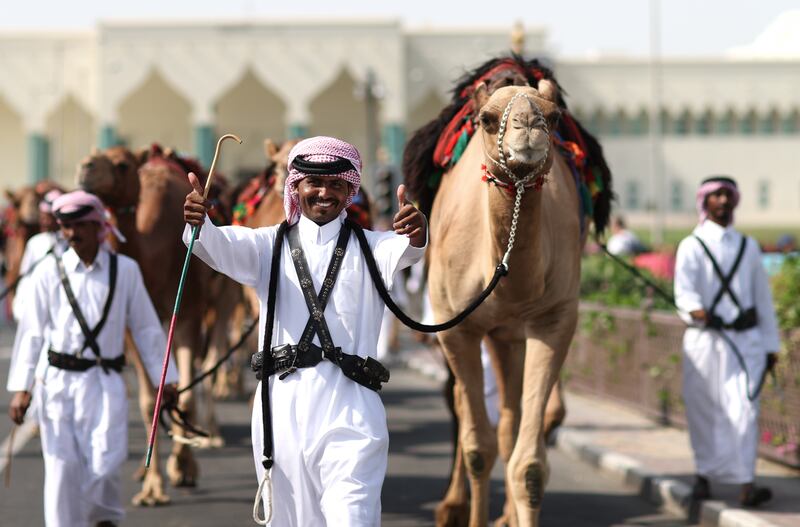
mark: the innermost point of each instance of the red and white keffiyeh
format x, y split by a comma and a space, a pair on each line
320, 149
711, 185
79, 205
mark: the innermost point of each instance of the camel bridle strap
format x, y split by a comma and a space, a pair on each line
534, 179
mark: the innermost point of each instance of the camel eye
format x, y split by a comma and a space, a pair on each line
489, 121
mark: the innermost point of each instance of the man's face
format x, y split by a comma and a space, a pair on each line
719, 206
322, 198
47, 222
82, 236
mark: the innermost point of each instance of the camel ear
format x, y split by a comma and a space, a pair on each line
270, 148
548, 90
481, 95
10, 197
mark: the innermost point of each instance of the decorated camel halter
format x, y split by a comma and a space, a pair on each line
534, 179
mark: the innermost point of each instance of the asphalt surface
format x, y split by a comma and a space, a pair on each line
578, 495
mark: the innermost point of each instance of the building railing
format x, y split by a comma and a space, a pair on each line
634, 357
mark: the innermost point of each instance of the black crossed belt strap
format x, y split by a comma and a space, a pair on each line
316, 303
69, 362
747, 318
90, 335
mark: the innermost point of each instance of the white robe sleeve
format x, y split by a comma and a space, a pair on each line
29, 340
393, 253
687, 275
767, 322
146, 329
235, 251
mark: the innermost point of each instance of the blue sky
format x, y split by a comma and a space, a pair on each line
576, 28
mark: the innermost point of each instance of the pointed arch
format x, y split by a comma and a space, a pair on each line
12, 145
70, 129
250, 109
155, 112
426, 109
340, 111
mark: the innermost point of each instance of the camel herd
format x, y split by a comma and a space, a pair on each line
527, 323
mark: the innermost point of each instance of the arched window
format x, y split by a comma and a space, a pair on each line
748, 123
667, 125
676, 195
618, 123
727, 122
683, 123
640, 124
632, 198
704, 124
770, 122
597, 122
790, 124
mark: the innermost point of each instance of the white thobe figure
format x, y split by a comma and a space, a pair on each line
83, 416
35, 250
723, 422
330, 433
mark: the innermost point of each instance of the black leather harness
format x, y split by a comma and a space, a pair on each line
747, 318
285, 359
76, 362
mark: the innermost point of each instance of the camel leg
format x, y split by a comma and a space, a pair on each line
555, 411
547, 344
453, 510
507, 351
477, 439
181, 465
152, 479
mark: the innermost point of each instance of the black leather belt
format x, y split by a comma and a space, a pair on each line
65, 361
287, 358
746, 320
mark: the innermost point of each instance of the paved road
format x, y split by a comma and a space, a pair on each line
578, 496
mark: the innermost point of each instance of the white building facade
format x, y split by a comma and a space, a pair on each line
373, 83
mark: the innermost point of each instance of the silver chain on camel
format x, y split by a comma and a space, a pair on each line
520, 184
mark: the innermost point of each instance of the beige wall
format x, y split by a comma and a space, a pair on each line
428, 108
12, 148
254, 113
71, 132
155, 112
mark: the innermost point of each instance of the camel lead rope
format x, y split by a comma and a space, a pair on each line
9, 455
266, 482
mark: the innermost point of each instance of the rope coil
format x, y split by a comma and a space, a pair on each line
266, 483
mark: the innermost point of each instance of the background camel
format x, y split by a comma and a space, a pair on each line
530, 319
20, 222
145, 193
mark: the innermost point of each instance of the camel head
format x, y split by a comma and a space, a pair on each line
278, 162
516, 122
112, 175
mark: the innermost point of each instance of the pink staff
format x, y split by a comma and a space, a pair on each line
156, 410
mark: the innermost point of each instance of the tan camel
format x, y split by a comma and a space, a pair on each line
145, 193
20, 223
530, 318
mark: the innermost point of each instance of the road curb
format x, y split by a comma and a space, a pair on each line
664, 491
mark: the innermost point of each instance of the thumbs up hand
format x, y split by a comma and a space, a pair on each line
409, 221
196, 206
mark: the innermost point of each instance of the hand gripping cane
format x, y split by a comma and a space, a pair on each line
154, 425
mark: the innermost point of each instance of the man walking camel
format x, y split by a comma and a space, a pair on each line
721, 283
79, 306
330, 433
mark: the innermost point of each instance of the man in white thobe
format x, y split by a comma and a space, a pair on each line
720, 394
83, 406
330, 432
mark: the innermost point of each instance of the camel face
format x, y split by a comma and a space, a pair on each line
108, 174
520, 118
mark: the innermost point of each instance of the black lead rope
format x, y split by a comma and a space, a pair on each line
499, 272
666, 296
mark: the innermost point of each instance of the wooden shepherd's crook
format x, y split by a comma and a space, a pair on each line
154, 425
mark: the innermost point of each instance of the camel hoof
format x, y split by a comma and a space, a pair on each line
152, 493
182, 469
452, 514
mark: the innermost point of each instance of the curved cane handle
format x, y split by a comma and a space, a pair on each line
214, 162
